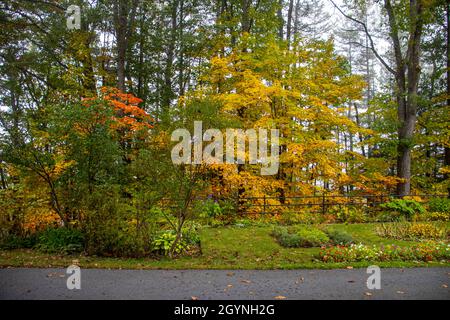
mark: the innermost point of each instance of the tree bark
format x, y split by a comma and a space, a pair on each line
168, 93
407, 72
447, 149
280, 18
123, 20
2, 173
289, 21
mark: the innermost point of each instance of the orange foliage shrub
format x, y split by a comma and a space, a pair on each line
40, 219
129, 118
129, 115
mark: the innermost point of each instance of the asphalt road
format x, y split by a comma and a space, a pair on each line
415, 283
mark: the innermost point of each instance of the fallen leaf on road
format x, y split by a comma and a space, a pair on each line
230, 286
280, 297
230, 274
246, 281
444, 286
55, 274
194, 298
368, 294
349, 267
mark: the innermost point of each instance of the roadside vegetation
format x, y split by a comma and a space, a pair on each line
213, 241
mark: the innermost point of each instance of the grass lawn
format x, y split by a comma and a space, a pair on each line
249, 247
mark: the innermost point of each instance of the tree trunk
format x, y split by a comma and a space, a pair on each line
168, 93
121, 27
123, 20
2, 173
280, 18
289, 21
447, 149
407, 71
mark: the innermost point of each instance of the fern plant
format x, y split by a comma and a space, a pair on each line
405, 207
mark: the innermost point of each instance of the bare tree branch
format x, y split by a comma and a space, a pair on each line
366, 31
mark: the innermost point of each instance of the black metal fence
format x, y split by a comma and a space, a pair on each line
323, 203
312, 203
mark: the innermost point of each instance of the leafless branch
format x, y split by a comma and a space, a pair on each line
366, 31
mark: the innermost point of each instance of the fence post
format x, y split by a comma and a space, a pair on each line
238, 209
264, 206
323, 203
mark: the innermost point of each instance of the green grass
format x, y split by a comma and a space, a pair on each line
223, 248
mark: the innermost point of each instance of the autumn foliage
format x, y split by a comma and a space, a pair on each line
128, 117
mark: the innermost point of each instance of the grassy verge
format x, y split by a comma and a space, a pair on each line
223, 248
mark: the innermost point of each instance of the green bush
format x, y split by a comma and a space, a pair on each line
405, 207
312, 237
350, 215
115, 227
60, 240
289, 240
163, 243
191, 233
211, 209
216, 213
286, 237
163, 240
17, 242
439, 205
339, 237
304, 236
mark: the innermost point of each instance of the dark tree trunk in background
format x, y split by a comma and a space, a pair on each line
289, 21
280, 18
2, 173
246, 15
88, 66
447, 149
168, 93
124, 16
121, 27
